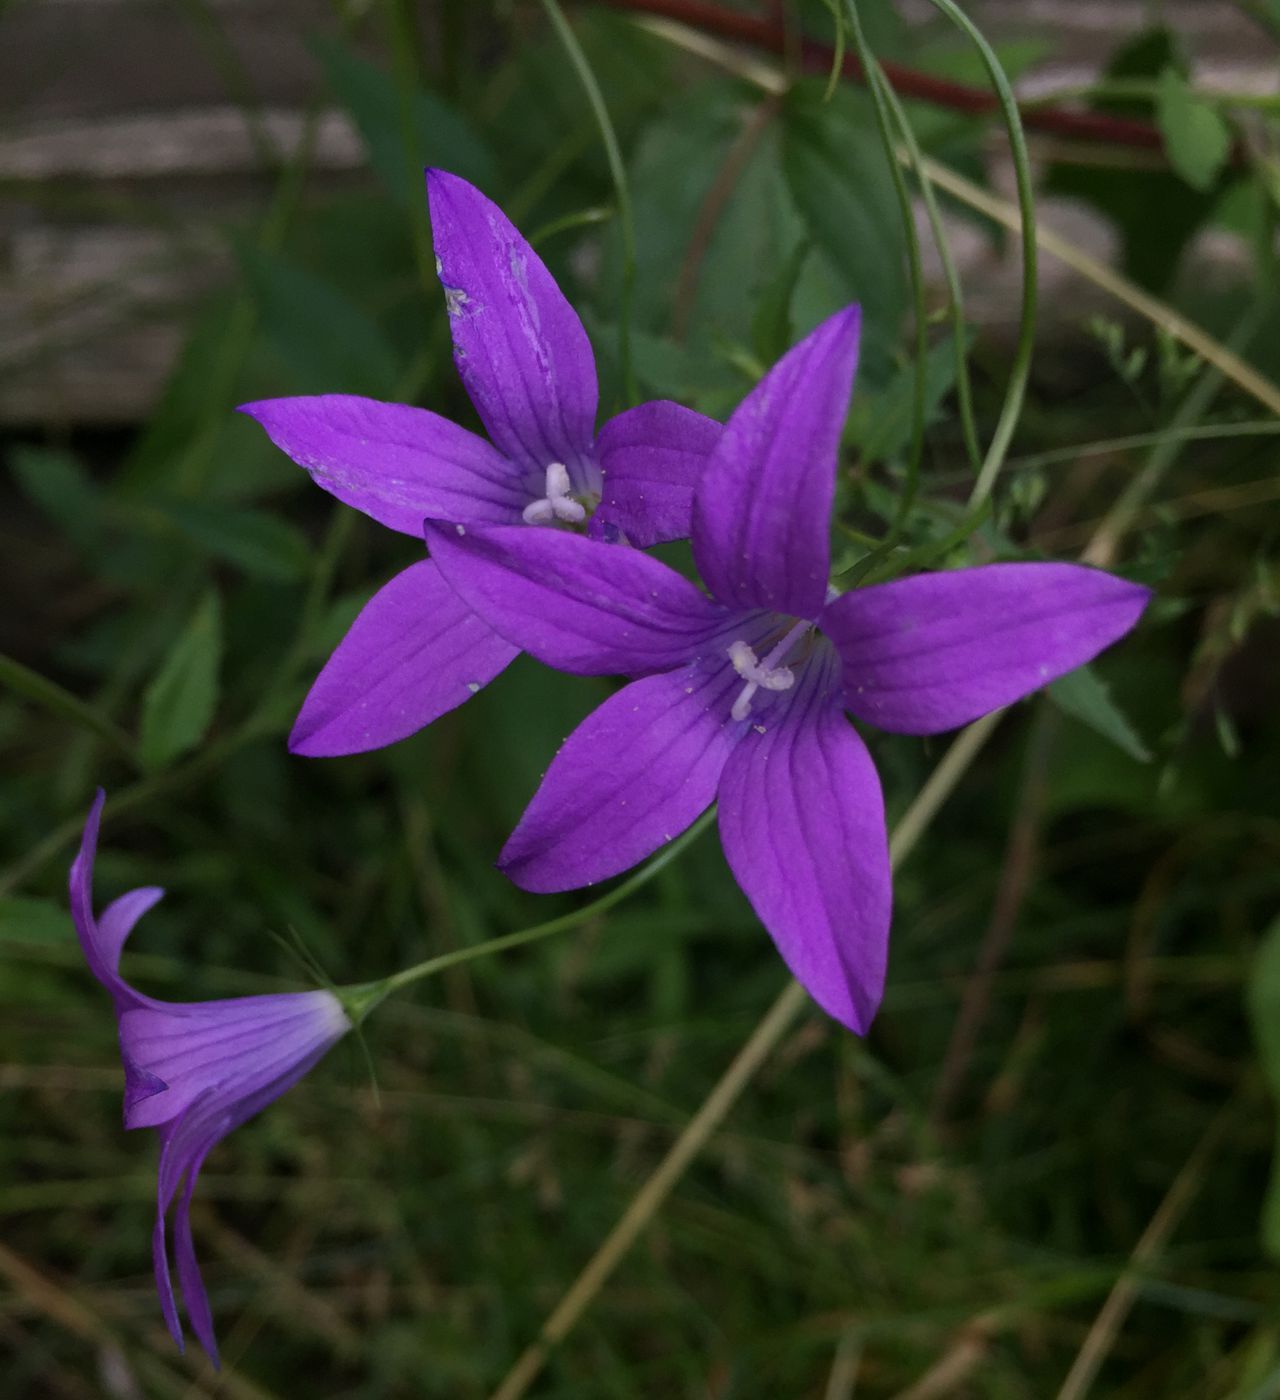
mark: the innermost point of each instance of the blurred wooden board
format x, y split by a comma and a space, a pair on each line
110, 106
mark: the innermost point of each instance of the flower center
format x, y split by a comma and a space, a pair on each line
766, 674
557, 504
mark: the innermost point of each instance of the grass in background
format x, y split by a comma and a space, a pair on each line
1063, 1082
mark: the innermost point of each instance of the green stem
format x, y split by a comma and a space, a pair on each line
404, 56
1012, 407
597, 214
1102, 447
877, 85
362, 999
22, 680
1148, 90
616, 168
955, 295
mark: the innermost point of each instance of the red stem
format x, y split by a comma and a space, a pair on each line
765, 33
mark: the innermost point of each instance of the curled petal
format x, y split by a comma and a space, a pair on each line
118, 920
102, 940
414, 652
633, 775
762, 509
802, 824
934, 651
194, 1295
395, 463
651, 458
574, 603
518, 344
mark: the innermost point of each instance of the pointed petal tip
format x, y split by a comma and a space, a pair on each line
849, 317
312, 740
302, 740
82, 866
414, 652
444, 184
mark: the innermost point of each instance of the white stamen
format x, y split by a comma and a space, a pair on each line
762, 675
558, 503
538, 513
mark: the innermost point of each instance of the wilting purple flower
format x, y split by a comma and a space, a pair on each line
416, 651
742, 692
193, 1070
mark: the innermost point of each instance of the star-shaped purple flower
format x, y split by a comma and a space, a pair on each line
194, 1071
416, 651
741, 693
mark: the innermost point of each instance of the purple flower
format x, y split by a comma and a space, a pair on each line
741, 693
416, 651
193, 1070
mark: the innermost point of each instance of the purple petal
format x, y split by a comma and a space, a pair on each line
230, 1050
183, 1143
634, 774
415, 652
651, 457
395, 463
139, 1085
935, 651
229, 1059
81, 893
164, 1282
574, 603
802, 824
194, 1296
762, 509
101, 945
518, 344
118, 920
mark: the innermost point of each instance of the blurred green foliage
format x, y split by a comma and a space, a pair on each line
1097, 888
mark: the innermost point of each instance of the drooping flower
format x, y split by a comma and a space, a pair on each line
416, 651
740, 694
194, 1071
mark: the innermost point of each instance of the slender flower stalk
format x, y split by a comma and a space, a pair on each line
194, 1071
739, 690
360, 1001
416, 650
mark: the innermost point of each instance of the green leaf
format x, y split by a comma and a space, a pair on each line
771, 326
179, 704
30, 684
1262, 992
183, 408
881, 423
691, 272
1197, 138
838, 176
437, 133
57, 483
1083, 696
329, 342
259, 543
34, 921
1139, 202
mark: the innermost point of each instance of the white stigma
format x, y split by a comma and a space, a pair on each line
557, 504
757, 677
